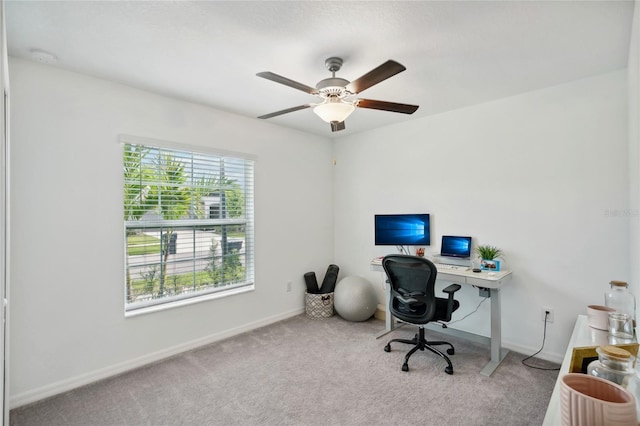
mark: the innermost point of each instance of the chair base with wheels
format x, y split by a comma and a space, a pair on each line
421, 343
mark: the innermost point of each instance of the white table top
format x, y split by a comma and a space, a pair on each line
486, 279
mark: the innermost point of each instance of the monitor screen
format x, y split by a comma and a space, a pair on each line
453, 246
402, 229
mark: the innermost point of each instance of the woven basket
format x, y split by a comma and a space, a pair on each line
319, 306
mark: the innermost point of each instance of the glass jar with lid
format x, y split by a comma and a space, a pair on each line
614, 364
619, 298
634, 387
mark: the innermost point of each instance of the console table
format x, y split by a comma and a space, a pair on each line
582, 336
492, 283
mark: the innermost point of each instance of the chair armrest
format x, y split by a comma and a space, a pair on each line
452, 289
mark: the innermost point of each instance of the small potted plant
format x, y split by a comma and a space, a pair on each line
489, 257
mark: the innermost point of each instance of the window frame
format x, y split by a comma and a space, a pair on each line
246, 165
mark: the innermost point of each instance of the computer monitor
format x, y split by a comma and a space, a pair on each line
455, 246
402, 230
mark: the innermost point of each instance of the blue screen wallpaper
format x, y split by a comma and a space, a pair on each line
402, 229
455, 246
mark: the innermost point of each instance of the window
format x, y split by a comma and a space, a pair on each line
188, 220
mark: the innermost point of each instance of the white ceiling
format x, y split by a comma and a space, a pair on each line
456, 53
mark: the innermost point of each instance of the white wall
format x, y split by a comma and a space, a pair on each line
67, 321
541, 175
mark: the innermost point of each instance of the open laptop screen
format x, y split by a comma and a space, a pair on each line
454, 246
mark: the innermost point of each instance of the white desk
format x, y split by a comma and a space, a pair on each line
478, 279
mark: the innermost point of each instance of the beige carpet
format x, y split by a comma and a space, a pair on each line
309, 372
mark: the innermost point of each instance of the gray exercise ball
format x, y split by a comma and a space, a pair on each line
354, 299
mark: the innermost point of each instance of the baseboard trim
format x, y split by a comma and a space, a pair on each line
66, 385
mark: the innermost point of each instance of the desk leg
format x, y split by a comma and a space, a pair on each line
389, 321
497, 353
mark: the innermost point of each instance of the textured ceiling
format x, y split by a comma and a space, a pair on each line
456, 53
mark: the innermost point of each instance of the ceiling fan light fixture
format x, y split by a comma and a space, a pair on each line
334, 110
336, 93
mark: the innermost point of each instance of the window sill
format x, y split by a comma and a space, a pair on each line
189, 301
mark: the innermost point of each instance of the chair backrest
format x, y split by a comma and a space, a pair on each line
411, 275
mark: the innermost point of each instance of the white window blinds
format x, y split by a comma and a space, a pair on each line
188, 224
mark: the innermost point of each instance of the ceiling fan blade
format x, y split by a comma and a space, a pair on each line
337, 125
285, 111
287, 82
375, 76
386, 106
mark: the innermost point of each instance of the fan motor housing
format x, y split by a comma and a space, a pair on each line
334, 86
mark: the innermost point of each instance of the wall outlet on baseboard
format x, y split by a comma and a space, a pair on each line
549, 316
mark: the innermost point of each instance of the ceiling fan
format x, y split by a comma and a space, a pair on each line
335, 93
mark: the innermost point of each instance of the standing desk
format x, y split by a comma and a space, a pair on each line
492, 283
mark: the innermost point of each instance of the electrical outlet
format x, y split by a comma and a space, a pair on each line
289, 286
544, 313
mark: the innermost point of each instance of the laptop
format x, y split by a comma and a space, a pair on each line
455, 246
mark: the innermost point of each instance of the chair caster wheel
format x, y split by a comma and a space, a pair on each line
451, 351
405, 367
448, 370
387, 348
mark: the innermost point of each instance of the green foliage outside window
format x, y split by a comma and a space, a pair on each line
158, 183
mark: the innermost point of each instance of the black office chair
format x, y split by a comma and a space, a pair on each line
413, 301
